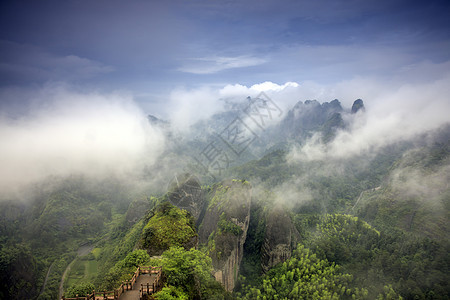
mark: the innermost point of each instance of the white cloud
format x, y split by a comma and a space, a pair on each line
66, 132
211, 65
234, 90
270, 86
393, 113
187, 106
397, 109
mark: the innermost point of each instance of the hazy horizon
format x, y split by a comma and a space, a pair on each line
77, 80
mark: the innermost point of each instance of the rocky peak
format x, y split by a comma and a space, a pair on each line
158, 122
358, 105
185, 192
307, 117
224, 229
312, 103
332, 107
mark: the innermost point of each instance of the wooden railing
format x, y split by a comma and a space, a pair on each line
126, 286
147, 289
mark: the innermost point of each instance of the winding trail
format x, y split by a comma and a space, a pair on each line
362, 193
82, 251
46, 279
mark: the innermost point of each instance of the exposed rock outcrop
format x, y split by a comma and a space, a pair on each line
185, 192
358, 105
307, 117
330, 127
280, 239
224, 229
162, 124
136, 210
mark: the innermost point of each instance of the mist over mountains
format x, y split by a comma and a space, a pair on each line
251, 184
247, 149
92, 132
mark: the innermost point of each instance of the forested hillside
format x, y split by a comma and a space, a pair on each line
296, 219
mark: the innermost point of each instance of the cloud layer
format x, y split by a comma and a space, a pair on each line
187, 106
393, 114
210, 65
66, 132
414, 101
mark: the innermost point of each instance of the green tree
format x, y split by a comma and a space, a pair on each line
123, 269
305, 276
18, 270
171, 293
80, 289
389, 294
168, 226
136, 258
192, 272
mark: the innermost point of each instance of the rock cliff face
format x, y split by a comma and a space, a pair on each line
186, 193
224, 229
280, 239
358, 105
307, 117
136, 210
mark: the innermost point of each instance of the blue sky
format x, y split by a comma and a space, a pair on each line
78, 78
150, 48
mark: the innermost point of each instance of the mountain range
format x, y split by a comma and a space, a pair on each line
268, 204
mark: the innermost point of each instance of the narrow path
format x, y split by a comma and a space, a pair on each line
85, 250
82, 251
362, 193
63, 278
46, 278
134, 293
356, 203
